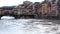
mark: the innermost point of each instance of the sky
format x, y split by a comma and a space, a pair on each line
15, 2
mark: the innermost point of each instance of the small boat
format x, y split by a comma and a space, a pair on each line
7, 17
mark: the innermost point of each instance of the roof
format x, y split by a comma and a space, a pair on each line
8, 7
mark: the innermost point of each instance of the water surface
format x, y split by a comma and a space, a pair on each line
29, 26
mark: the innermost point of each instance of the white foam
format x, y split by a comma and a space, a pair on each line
7, 17
22, 27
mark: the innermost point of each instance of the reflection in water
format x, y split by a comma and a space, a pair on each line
29, 26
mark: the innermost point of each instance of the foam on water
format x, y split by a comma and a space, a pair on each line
7, 17
28, 26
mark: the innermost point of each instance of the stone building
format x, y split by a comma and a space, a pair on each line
26, 9
58, 7
45, 8
37, 9
1, 11
7, 10
54, 11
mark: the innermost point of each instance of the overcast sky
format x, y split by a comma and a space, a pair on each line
15, 2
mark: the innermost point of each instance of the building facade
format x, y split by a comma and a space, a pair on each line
45, 8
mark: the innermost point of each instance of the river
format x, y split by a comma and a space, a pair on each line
30, 26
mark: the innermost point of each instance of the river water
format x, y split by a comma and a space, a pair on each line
30, 26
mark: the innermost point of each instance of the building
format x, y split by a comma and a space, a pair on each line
26, 9
45, 8
37, 9
1, 11
54, 11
